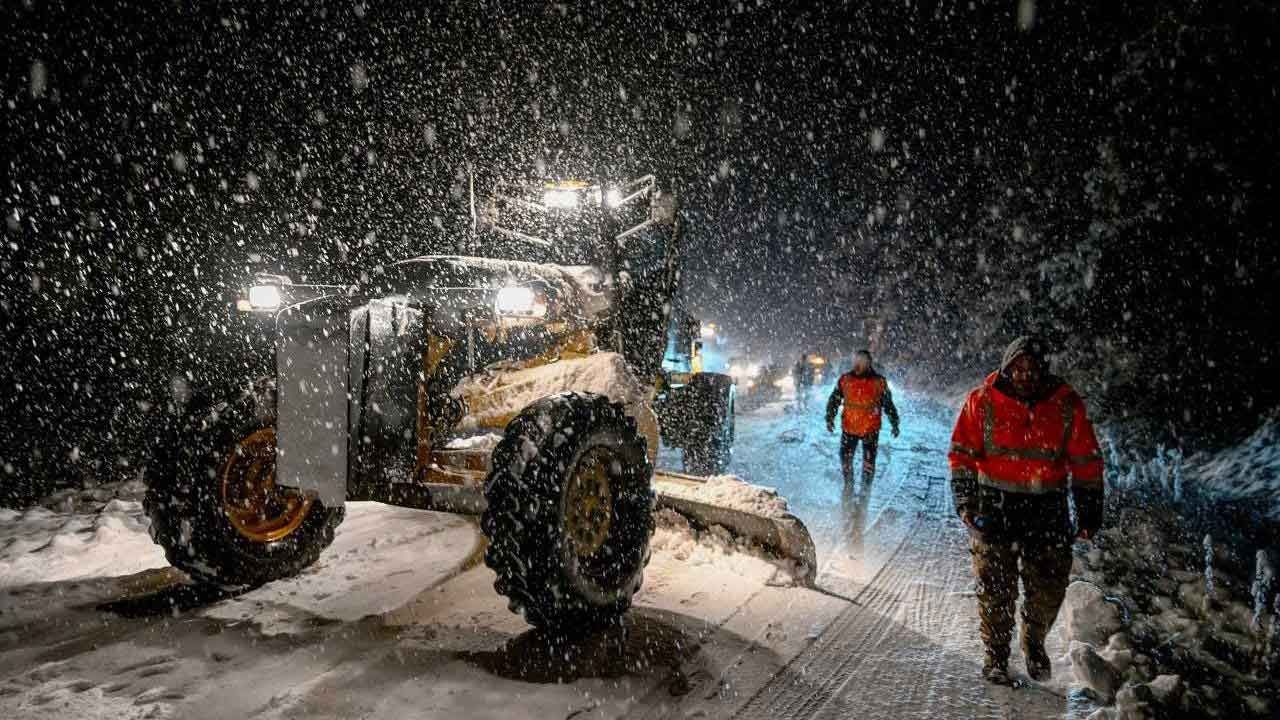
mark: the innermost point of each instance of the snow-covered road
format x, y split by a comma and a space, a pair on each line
903, 640
399, 620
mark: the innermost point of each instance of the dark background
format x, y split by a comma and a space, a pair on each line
926, 178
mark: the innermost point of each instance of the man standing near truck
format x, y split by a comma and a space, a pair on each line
1021, 443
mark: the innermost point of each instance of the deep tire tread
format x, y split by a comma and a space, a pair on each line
523, 520
184, 506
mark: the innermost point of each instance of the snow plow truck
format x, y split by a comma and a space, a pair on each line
528, 391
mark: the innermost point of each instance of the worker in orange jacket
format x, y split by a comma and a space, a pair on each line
1021, 444
865, 396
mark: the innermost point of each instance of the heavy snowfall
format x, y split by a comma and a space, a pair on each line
392, 360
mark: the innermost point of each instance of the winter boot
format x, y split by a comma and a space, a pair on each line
995, 670
1038, 665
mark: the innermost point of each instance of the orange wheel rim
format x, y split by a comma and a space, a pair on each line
257, 508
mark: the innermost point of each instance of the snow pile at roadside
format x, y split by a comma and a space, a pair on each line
1153, 633
1248, 471
494, 396
73, 534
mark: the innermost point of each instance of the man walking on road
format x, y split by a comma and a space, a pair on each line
865, 395
1021, 442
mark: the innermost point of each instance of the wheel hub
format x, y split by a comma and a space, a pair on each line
589, 503
257, 508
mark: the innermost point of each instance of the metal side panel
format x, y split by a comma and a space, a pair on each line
312, 410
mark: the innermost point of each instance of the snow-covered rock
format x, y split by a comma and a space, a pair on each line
1117, 654
1167, 689
1133, 702
1088, 616
1092, 671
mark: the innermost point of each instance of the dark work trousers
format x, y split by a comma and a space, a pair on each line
1043, 562
854, 499
849, 446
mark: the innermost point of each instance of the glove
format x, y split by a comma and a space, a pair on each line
831, 426
895, 431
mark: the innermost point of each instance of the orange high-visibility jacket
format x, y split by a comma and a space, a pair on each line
864, 398
1011, 446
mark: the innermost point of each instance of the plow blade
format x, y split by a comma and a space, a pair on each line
751, 512
748, 511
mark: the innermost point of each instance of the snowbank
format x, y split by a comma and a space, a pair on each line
1248, 471
1161, 626
74, 534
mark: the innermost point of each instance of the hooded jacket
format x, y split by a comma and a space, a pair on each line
1010, 454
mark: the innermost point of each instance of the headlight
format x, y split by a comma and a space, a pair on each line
264, 297
562, 199
519, 301
613, 198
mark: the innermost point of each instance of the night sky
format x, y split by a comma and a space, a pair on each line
925, 178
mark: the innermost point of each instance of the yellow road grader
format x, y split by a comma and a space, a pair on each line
489, 382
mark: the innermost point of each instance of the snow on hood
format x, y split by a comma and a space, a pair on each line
602, 373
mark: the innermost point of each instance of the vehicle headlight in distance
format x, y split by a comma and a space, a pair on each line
519, 301
264, 297
561, 199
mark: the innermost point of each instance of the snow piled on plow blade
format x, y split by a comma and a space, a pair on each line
754, 514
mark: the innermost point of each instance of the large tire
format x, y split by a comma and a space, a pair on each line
710, 448
567, 580
185, 499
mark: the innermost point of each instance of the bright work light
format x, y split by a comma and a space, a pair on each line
561, 199
264, 297
519, 301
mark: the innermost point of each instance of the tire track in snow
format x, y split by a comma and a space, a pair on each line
808, 683
907, 646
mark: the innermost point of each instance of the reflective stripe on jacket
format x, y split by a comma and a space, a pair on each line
1009, 445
